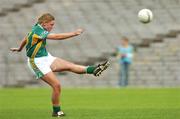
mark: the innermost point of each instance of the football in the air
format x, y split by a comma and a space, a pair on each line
145, 15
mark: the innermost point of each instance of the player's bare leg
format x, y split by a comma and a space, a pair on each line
61, 65
52, 80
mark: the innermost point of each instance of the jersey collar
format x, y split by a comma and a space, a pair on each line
40, 25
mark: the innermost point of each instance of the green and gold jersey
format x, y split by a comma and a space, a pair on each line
36, 42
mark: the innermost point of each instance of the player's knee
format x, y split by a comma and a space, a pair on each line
57, 87
53, 68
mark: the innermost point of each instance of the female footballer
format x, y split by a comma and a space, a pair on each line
43, 64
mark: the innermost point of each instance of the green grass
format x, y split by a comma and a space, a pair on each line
128, 103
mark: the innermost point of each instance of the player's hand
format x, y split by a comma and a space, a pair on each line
79, 31
15, 49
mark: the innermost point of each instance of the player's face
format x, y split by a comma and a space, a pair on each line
49, 25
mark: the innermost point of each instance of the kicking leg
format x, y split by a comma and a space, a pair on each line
61, 65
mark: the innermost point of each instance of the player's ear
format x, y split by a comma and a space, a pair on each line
43, 24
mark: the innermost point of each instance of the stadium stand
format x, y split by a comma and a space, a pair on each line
105, 21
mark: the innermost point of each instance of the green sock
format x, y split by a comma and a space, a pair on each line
90, 69
56, 109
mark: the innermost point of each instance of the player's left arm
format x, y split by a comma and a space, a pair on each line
62, 36
22, 44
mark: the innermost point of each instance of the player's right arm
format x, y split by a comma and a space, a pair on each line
22, 44
62, 36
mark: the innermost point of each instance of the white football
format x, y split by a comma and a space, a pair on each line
145, 15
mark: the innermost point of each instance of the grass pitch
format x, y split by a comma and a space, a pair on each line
128, 103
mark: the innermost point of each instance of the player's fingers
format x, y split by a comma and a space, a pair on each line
13, 49
80, 30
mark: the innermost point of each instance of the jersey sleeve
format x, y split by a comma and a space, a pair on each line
41, 34
44, 35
